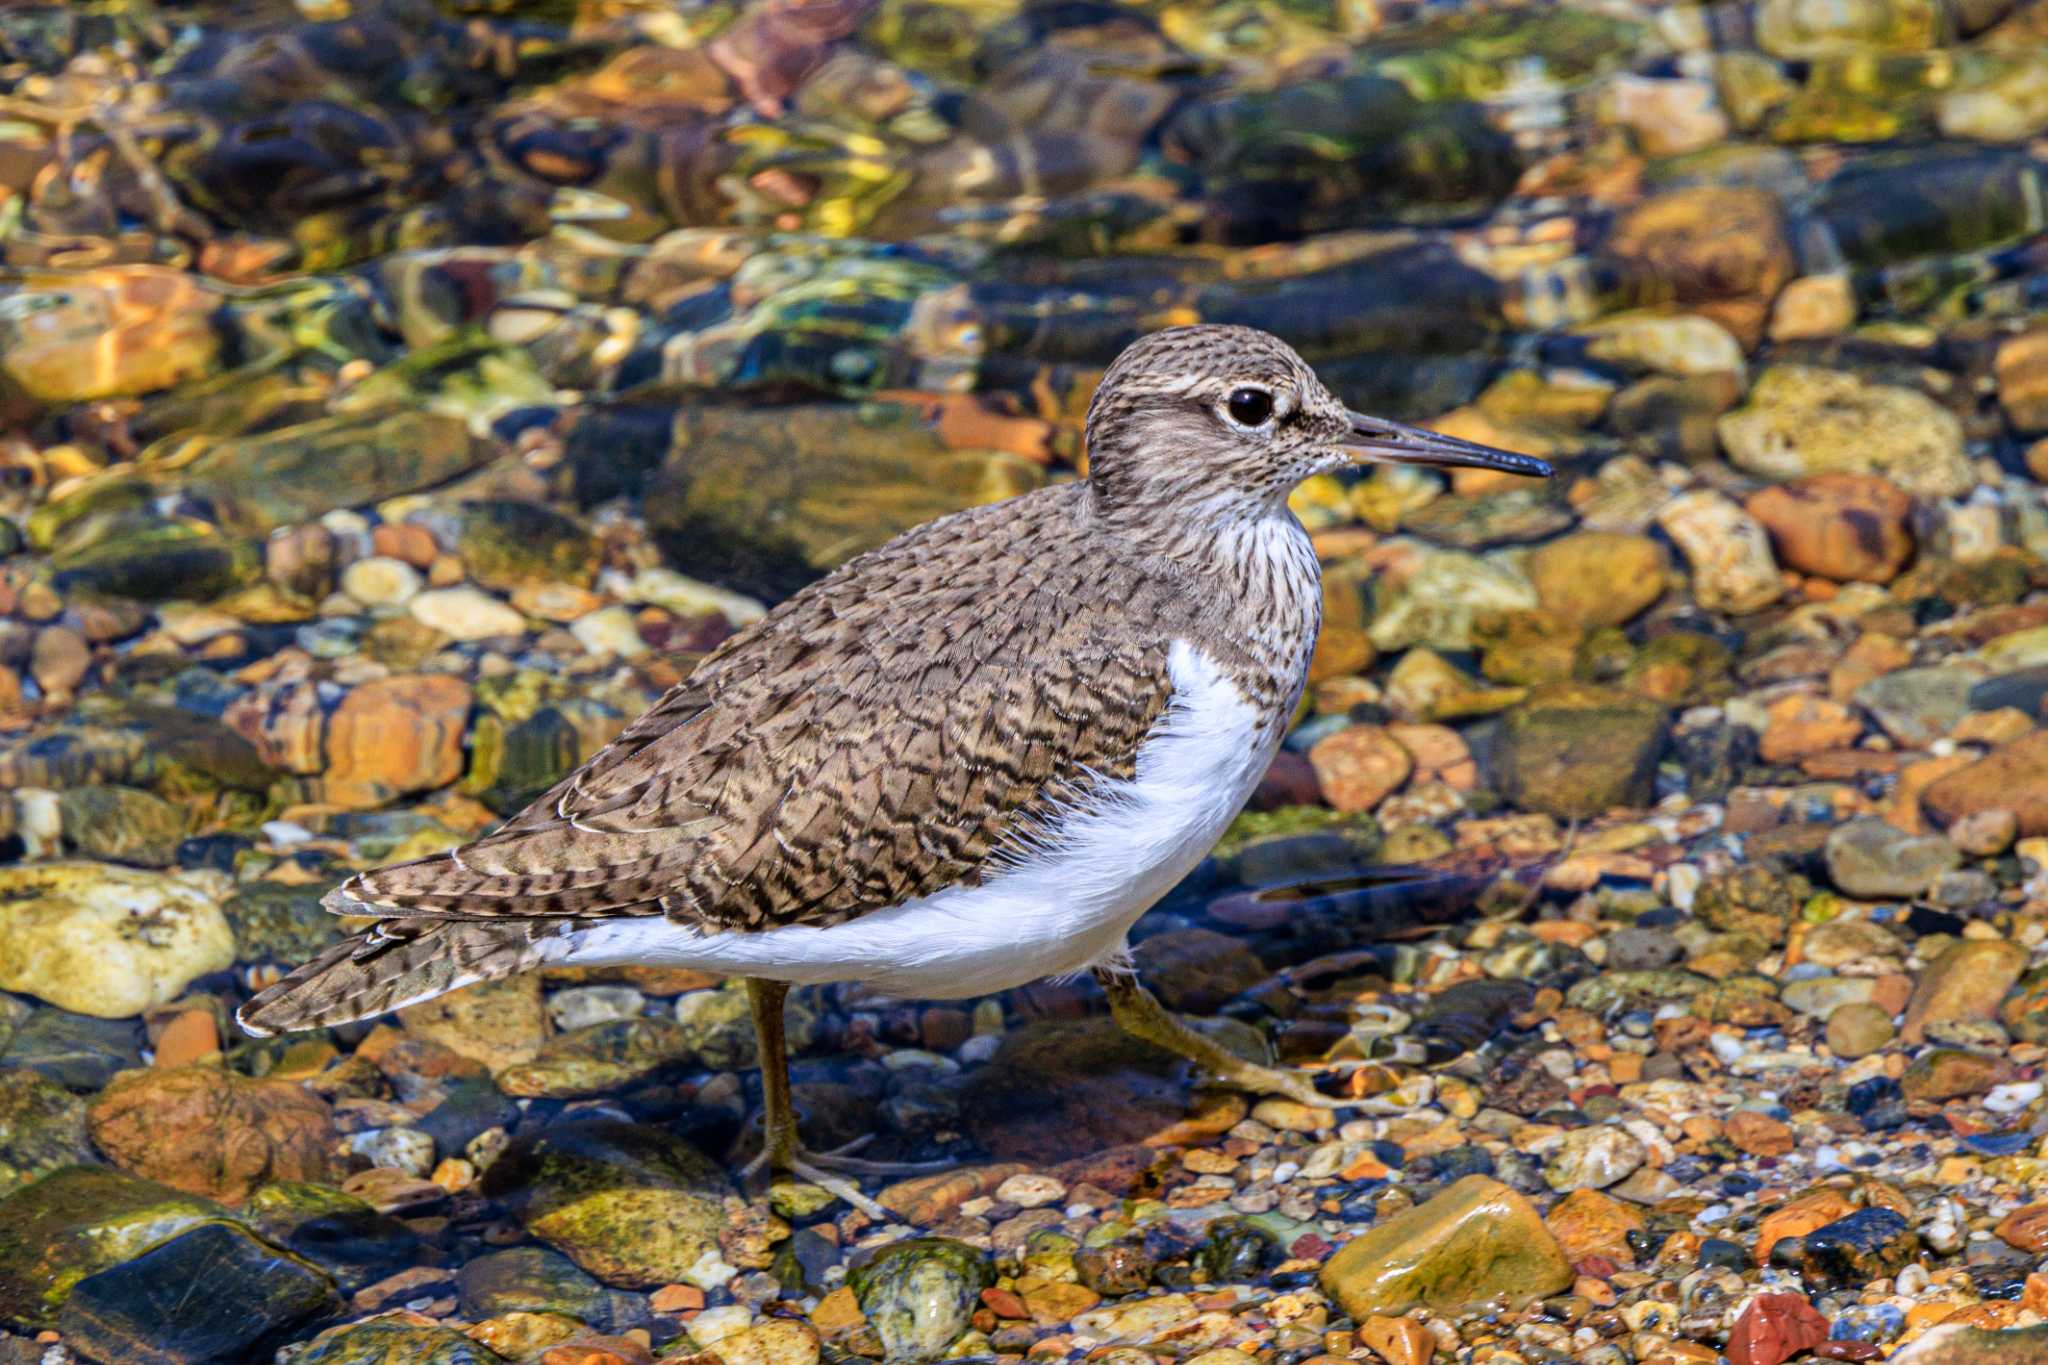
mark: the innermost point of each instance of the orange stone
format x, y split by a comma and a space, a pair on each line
1801, 1216
1774, 1328
677, 1298
1399, 1341
1359, 767
1759, 1134
188, 1037
394, 736
1803, 724
1589, 1223
2026, 1228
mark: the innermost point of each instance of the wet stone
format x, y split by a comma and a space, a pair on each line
106, 941
57, 1230
1476, 1240
1873, 860
536, 1280
144, 1310
42, 1128
208, 1131
1866, 1245
1575, 751
632, 1206
920, 1294
396, 1341
342, 1234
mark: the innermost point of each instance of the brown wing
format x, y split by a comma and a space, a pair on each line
885, 733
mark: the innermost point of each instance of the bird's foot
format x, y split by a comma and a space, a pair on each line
829, 1171
1139, 1012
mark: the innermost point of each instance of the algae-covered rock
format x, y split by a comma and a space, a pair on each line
168, 751
106, 941
1751, 900
632, 1205
398, 1340
345, 1235
1804, 420
506, 544
1574, 750
252, 1298
277, 922
209, 1131
921, 1294
42, 1128
599, 1059
260, 482
1436, 599
1477, 1240
155, 561
536, 1280
768, 498
75, 1221
122, 825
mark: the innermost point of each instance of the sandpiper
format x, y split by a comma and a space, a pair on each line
963, 761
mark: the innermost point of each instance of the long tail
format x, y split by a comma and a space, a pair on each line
397, 963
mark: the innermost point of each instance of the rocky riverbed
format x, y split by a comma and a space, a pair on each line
396, 396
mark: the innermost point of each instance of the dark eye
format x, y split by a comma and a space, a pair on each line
1250, 407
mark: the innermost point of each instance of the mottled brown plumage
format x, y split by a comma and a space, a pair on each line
919, 717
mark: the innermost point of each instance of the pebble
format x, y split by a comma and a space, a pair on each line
466, 613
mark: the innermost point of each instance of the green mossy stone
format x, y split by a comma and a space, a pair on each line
920, 1294
250, 1298
631, 1205
42, 1128
388, 1341
1575, 751
506, 544
77, 1221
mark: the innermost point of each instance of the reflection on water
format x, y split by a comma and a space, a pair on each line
396, 396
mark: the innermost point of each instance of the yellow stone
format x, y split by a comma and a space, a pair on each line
1476, 1241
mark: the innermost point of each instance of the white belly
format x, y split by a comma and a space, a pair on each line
1060, 908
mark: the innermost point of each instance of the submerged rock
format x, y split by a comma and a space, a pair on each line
42, 1128
1476, 1241
396, 1341
251, 1298
106, 941
1804, 420
920, 1295
1575, 750
631, 1205
206, 1130
74, 1222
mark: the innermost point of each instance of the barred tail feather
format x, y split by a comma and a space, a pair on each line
397, 963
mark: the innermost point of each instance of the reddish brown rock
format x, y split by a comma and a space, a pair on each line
394, 736
2025, 1228
1359, 767
2014, 778
1842, 526
1774, 1328
208, 1131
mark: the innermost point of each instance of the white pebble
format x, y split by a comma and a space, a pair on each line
1028, 1190
2010, 1099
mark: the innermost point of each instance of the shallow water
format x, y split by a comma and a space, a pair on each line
396, 396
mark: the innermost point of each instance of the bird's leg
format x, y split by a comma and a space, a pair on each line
1140, 1014
780, 1147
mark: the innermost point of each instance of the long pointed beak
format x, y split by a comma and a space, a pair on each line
1375, 440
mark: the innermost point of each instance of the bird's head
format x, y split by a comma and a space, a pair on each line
1230, 419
